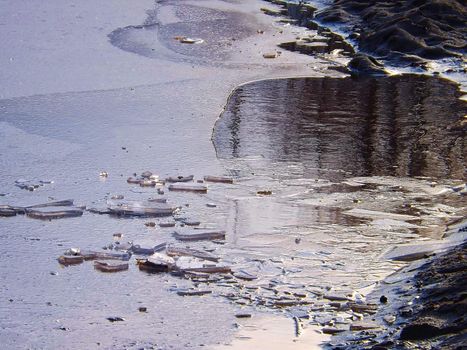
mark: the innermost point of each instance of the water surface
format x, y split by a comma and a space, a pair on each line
395, 126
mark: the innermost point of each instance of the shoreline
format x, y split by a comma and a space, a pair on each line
419, 305
390, 336
362, 61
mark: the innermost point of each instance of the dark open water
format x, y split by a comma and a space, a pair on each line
396, 126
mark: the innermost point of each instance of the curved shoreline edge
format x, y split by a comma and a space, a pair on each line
417, 323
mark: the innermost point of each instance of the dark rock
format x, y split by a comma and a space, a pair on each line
430, 29
383, 299
341, 69
7, 212
389, 344
333, 15
420, 332
406, 312
363, 64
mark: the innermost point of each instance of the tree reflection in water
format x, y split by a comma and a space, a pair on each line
398, 126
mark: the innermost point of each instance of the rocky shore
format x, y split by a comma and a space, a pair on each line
403, 32
423, 307
426, 307
424, 36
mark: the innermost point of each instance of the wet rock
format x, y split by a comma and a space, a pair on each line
338, 305
133, 180
146, 174
180, 178
298, 326
420, 331
4, 211
67, 260
333, 15
300, 294
104, 266
156, 263
333, 297
362, 64
31, 185
264, 193
189, 222
334, 330
53, 214
270, 55
389, 319
167, 224
17, 209
220, 179
429, 29
147, 183
209, 235
322, 319
363, 307
180, 186
270, 12
286, 303
193, 292
100, 211
361, 326
244, 275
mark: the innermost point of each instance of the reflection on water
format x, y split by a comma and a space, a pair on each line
334, 128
